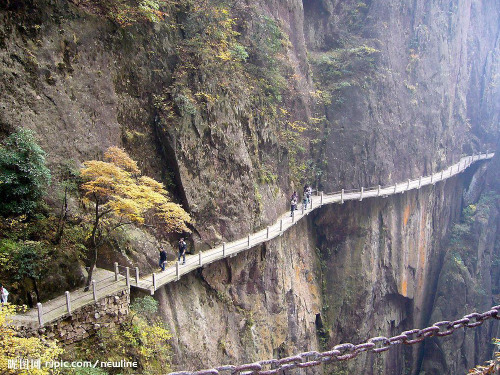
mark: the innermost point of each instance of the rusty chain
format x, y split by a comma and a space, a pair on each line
348, 351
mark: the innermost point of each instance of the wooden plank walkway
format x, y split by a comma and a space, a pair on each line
152, 282
107, 284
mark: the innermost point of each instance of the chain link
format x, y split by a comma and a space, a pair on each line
347, 351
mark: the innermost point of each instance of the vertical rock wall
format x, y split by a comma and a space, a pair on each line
381, 260
260, 304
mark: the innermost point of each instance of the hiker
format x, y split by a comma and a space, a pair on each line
163, 257
307, 195
305, 202
182, 250
293, 202
4, 294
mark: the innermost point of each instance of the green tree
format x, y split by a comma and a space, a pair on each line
121, 196
23, 174
24, 263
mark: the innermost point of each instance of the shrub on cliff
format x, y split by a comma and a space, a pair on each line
142, 337
14, 348
23, 174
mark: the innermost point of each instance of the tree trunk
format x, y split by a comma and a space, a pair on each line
93, 247
93, 262
62, 218
29, 299
35, 288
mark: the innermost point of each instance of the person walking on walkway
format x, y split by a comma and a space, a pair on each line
305, 202
182, 250
293, 202
163, 257
4, 294
307, 195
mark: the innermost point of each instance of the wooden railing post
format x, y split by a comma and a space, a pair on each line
68, 302
395, 187
127, 276
361, 193
40, 314
177, 273
342, 196
378, 191
311, 206
94, 290
321, 199
116, 271
154, 281
136, 275
293, 216
432, 177
420, 182
248, 241
223, 249
267, 232
408, 186
281, 225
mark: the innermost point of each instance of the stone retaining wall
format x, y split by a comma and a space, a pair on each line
86, 321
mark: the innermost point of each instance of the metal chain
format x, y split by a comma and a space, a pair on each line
344, 352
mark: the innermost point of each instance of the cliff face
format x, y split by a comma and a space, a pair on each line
388, 90
380, 263
424, 98
468, 280
260, 304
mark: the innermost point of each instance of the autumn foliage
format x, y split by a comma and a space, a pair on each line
119, 191
120, 196
13, 347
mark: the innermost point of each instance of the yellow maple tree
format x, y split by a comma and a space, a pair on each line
15, 349
120, 195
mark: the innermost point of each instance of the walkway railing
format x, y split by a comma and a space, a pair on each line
64, 305
127, 277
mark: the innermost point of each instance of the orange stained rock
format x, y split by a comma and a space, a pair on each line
422, 245
406, 215
404, 286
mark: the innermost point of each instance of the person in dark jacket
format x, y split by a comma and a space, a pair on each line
163, 257
293, 202
182, 250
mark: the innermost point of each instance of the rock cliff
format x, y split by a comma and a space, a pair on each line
384, 90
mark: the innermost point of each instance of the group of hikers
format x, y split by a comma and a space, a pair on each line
182, 253
306, 199
4, 294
